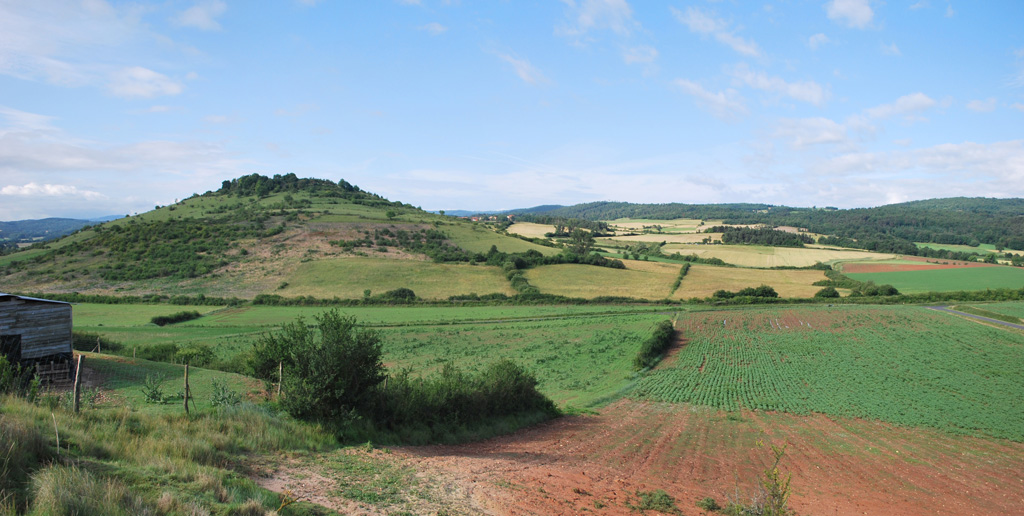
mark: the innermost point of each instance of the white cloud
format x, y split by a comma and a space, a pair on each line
982, 106
1018, 106
906, 105
614, 15
137, 81
891, 49
811, 131
705, 24
804, 91
642, 54
216, 119
919, 5
817, 40
526, 71
434, 28
48, 190
726, 104
949, 11
854, 13
202, 15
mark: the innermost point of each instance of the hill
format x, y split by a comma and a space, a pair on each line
271, 235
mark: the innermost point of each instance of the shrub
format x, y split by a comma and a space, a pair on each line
827, 292
164, 320
328, 372
709, 504
652, 349
84, 341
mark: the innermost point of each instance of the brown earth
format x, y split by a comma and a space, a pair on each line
597, 464
926, 264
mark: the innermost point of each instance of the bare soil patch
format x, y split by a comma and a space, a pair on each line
597, 463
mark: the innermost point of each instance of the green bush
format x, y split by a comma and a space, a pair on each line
652, 349
328, 372
164, 320
827, 292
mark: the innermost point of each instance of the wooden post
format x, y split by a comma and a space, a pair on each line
186, 389
280, 378
78, 382
99, 345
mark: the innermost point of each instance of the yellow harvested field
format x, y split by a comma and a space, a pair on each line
531, 230
674, 225
703, 280
762, 256
645, 280
671, 238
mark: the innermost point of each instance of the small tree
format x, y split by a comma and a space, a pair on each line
580, 241
827, 292
328, 371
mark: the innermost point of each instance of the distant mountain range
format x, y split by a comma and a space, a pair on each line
41, 230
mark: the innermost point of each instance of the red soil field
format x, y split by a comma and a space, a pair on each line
596, 464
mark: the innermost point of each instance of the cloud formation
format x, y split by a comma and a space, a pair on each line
726, 105
804, 91
853, 13
203, 15
701, 22
983, 106
907, 105
586, 15
526, 71
137, 81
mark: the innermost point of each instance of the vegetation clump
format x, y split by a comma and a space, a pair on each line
655, 346
164, 320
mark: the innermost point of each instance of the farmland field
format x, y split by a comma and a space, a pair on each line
579, 362
763, 256
643, 280
530, 229
478, 239
946, 280
348, 277
703, 280
1011, 308
905, 365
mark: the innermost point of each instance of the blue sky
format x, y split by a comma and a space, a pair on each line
111, 107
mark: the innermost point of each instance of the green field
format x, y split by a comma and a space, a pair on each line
981, 249
479, 239
947, 280
347, 278
1010, 308
579, 362
905, 365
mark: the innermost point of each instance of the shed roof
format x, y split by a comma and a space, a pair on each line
6, 297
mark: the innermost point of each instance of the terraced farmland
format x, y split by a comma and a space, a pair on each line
905, 365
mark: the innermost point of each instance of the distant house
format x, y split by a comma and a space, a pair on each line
34, 330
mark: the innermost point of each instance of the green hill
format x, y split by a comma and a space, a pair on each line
261, 235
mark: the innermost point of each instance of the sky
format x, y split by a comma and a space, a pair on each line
111, 107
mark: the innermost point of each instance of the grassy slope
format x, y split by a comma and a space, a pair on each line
645, 280
947, 280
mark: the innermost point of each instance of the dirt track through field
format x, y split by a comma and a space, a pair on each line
597, 463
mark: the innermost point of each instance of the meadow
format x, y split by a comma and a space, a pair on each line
703, 280
947, 280
904, 365
642, 280
347, 278
764, 257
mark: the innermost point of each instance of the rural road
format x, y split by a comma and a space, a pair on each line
981, 318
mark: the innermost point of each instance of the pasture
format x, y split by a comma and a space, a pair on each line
479, 239
670, 238
904, 365
530, 229
1010, 308
947, 280
347, 278
642, 280
667, 226
703, 280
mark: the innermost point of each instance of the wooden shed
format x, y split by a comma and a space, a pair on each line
35, 331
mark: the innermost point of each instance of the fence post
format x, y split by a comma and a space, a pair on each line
187, 394
78, 381
280, 378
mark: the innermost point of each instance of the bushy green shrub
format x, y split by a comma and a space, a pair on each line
164, 320
652, 348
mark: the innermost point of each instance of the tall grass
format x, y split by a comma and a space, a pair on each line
172, 463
